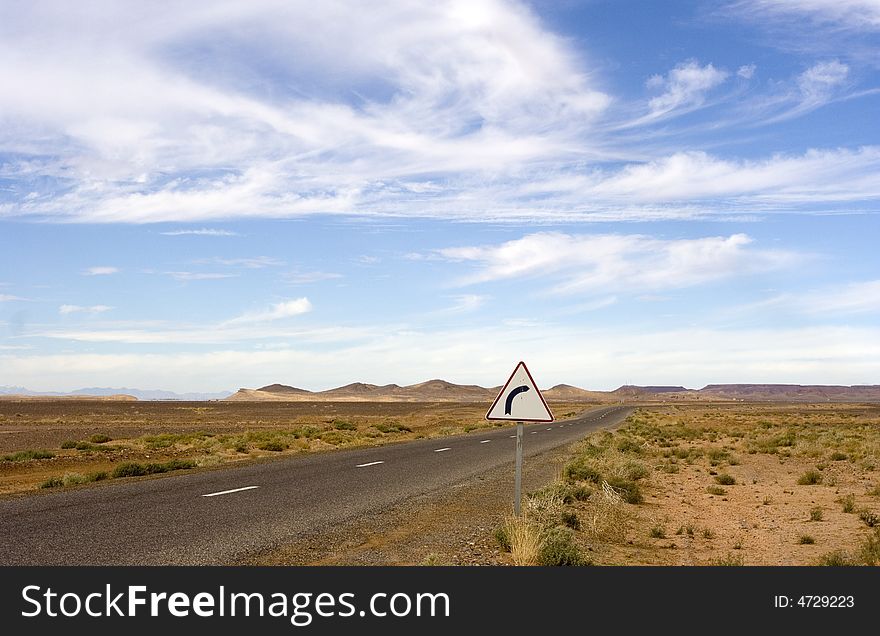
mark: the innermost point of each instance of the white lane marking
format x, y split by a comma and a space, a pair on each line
550, 429
229, 492
369, 464
485, 441
440, 450
534, 432
512, 436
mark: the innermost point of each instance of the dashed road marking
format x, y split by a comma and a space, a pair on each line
440, 450
485, 441
369, 464
229, 492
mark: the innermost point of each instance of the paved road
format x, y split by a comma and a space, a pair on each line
191, 519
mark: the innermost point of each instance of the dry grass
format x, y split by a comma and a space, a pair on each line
525, 540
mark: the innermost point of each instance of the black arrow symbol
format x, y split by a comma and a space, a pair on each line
511, 395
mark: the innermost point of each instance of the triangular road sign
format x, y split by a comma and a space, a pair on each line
520, 400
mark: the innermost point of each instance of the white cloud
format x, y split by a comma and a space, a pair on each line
685, 86
190, 276
277, 311
100, 271
255, 262
746, 71
4, 298
612, 262
819, 81
304, 278
74, 309
201, 232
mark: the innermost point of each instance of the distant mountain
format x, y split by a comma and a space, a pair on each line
140, 394
794, 392
430, 391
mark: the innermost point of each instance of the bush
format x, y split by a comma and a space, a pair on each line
729, 561
581, 470
716, 490
129, 469
806, 539
870, 550
838, 558
810, 478
837, 456
817, 514
870, 519
502, 536
657, 532
342, 425
52, 482
85, 446
725, 480
68, 444
628, 490
848, 503
570, 519
99, 438
558, 548
275, 447
23, 456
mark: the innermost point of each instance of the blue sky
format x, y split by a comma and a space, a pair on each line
206, 195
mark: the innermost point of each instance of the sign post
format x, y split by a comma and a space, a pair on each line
519, 401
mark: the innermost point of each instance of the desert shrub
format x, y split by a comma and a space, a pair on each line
129, 469
848, 503
502, 536
817, 514
558, 548
342, 425
716, 490
274, 446
731, 560
86, 446
837, 558
837, 456
570, 520
27, 455
392, 428
870, 519
67, 444
806, 539
657, 532
870, 548
725, 480
627, 489
581, 470
810, 478
627, 445
52, 482
100, 438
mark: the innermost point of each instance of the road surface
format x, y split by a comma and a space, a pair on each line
221, 516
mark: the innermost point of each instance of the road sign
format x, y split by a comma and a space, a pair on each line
520, 400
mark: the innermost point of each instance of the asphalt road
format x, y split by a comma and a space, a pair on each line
191, 519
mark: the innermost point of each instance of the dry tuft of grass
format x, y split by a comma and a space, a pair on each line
525, 540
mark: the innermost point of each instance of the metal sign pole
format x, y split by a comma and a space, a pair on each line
518, 482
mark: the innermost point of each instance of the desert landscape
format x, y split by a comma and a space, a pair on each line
730, 475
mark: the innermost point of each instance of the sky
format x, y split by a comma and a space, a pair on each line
202, 196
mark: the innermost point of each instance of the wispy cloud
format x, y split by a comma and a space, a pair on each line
305, 278
201, 232
685, 86
9, 298
277, 311
603, 262
860, 15
76, 309
840, 300
100, 270
255, 262
191, 276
